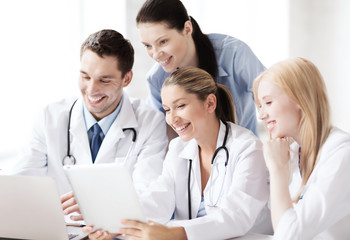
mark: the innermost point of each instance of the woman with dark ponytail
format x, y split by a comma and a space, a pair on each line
214, 180
174, 40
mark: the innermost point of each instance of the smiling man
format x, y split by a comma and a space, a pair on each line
100, 126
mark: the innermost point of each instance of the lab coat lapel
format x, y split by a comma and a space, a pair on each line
217, 173
112, 141
191, 152
79, 142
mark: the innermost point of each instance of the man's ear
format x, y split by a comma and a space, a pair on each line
211, 103
127, 78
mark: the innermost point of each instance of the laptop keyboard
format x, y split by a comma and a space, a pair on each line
72, 235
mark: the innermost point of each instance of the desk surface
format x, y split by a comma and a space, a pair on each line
254, 237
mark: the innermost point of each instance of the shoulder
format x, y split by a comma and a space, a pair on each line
222, 42
176, 144
156, 74
338, 140
62, 106
243, 135
144, 112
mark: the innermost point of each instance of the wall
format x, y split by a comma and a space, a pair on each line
320, 32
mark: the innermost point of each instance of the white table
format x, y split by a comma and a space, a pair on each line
254, 237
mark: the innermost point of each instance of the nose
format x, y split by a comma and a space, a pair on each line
262, 113
172, 118
92, 86
157, 53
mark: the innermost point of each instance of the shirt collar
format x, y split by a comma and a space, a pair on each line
106, 122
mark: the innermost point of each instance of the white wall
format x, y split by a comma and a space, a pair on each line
320, 32
40, 42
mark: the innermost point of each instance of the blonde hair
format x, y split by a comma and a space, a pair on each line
197, 81
302, 82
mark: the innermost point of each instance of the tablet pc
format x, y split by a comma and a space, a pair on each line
105, 194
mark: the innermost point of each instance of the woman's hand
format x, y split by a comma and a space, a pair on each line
276, 154
151, 231
98, 234
277, 158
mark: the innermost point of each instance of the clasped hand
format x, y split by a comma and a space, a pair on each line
276, 154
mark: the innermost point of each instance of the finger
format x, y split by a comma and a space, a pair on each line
66, 196
131, 232
87, 229
69, 202
105, 236
150, 222
71, 209
77, 217
95, 235
133, 223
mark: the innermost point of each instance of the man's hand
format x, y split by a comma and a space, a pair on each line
69, 205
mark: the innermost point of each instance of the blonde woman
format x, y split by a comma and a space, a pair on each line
214, 180
310, 196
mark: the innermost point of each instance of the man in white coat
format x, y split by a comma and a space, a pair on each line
66, 127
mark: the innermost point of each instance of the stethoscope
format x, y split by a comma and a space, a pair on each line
70, 159
211, 202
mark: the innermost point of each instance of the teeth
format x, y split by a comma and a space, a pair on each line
95, 99
270, 124
181, 128
164, 62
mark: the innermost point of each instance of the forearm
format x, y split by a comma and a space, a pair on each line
279, 194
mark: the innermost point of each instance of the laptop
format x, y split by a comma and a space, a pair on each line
105, 194
30, 208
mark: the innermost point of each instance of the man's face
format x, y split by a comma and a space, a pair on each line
101, 83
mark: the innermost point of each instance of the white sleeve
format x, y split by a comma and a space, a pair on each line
150, 159
325, 202
158, 201
33, 157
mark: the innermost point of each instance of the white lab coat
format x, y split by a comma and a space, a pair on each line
48, 144
244, 195
324, 210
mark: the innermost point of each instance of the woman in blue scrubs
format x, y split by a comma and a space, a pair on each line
174, 40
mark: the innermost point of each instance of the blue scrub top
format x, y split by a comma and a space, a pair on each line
238, 67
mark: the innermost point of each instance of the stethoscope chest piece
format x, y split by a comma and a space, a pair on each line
68, 160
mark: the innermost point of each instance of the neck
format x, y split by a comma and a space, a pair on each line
207, 142
192, 54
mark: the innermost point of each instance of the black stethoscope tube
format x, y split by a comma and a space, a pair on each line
69, 120
189, 190
223, 146
70, 159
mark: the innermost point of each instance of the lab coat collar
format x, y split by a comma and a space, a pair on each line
222, 72
125, 119
80, 146
190, 151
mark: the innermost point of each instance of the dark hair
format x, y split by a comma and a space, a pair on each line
174, 14
111, 43
199, 82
